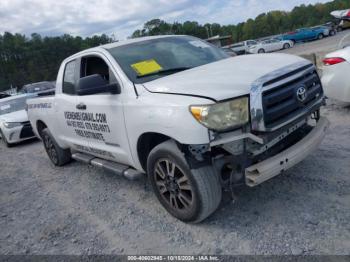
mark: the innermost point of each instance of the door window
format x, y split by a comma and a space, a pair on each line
95, 65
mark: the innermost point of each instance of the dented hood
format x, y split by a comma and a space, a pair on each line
223, 79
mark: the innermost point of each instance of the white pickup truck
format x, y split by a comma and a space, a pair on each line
186, 113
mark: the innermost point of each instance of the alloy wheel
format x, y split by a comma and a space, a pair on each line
173, 185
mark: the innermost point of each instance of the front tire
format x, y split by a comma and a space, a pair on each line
261, 51
57, 155
189, 195
320, 36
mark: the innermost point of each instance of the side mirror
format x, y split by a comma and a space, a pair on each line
95, 84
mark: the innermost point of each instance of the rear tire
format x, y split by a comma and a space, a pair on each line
332, 33
261, 51
320, 36
4, 140
188, 195
57, 155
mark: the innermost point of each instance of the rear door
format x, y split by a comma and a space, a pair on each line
104, 113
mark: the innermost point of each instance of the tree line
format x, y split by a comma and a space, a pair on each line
266, 24
31, 59
26, 60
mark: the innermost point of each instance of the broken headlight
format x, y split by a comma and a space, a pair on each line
224, 115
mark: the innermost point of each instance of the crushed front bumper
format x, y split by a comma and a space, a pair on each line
262, 171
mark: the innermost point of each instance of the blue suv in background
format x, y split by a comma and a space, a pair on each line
304, 34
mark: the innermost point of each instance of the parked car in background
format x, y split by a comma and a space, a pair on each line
14, 124
304, 34
343, 25
3, 95
241, 48
326, 30
270, 45
229, 51
40, 88
335, 74
333, 28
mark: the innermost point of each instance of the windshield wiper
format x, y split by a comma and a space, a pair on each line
165, 71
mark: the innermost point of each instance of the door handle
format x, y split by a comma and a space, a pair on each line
81, 106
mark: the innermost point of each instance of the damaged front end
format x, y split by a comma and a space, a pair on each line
285, 126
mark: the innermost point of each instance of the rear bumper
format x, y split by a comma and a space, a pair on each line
260, 172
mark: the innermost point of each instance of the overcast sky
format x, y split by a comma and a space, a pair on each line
122, 17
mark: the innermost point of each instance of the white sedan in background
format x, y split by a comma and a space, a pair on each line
336, 74
270, 45
14, 124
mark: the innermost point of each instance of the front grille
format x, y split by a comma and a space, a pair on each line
281, 103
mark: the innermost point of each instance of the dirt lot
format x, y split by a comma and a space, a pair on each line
79, 209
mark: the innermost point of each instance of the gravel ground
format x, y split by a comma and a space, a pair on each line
78, 209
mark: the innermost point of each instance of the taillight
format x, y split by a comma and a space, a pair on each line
333, 61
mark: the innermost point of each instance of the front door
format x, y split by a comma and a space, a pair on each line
104, 114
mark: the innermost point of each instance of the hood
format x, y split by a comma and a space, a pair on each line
18, 116
223, 79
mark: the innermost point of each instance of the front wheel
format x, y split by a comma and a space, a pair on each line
57, 155
261, 51
320, 36
189, 195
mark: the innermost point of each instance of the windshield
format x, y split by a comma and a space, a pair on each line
12, 105
151, 59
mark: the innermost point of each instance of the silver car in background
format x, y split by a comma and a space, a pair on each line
270, 45
14, 124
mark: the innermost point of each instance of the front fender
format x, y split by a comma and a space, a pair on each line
164, 114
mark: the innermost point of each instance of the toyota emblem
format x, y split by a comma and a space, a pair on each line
301, 94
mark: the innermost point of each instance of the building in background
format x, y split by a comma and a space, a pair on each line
220, 41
